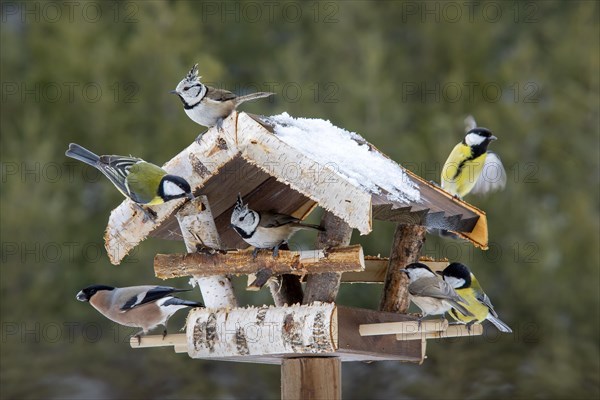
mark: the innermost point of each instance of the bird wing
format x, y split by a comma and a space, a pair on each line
270, 219
481, 296
492, 177
439, 289
432, 287
116, 169
143, 181
220, 95
147, 294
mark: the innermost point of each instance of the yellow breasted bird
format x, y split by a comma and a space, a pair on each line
477, 302
142, 182
471, 168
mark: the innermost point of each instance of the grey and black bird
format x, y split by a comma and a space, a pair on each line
206, 105
144, 307
265, 229
431, 294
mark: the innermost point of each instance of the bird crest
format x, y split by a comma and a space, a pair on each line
193, 74
239, 205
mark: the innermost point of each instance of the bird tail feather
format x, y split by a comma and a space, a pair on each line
82, 154
502, 327
252, 96
174, 301
312, 226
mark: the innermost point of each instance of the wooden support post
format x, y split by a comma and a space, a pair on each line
311, 378
408, 240
324, 287
286, 289
199, 230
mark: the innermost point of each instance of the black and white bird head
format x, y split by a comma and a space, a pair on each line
87, 293
244, 220
477, 137
190, 90
457, 275
173, 187
417, 271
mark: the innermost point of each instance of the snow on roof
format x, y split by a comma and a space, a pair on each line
348, 153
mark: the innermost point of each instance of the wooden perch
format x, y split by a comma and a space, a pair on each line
198, 230
176, 339
311, 378
450, 331
339, 259
408, 240
402, 328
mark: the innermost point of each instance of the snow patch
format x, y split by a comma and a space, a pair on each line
349, 153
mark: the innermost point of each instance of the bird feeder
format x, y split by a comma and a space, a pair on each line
291, 166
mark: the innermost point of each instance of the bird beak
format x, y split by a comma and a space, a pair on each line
493, 137
439, 273
173, 91
403, 270
80, 296
190, 196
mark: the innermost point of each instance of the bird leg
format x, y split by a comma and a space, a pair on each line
199, 137
220, 124
255, 253
469, 325
164, 333
139, 337
149, 214
276, 248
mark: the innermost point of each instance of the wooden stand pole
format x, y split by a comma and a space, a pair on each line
324, 287
311, 378
408, 240
199, 230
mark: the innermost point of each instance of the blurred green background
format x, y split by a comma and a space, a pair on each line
402, 74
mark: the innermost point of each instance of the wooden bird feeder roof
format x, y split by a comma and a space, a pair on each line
293, 165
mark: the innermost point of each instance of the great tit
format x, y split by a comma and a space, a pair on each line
143, 307
471, 168
142, 182
430, 293
265, 230
208, 106
477, 302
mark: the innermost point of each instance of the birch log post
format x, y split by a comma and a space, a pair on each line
324, 287
199, 230
408, 241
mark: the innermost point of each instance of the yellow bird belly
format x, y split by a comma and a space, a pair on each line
459, 173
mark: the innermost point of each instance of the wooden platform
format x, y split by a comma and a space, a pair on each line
267, 335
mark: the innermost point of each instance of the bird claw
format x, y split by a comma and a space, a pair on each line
199, 137
149, 214
164, 335
255, 253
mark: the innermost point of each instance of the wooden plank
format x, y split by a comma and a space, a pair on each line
349, 258
198, 229
324, 184
374, 347
325, 287
311, 378
407, 244
403, 328
450, 331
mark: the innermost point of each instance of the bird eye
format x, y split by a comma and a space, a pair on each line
241, 218
185, 89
